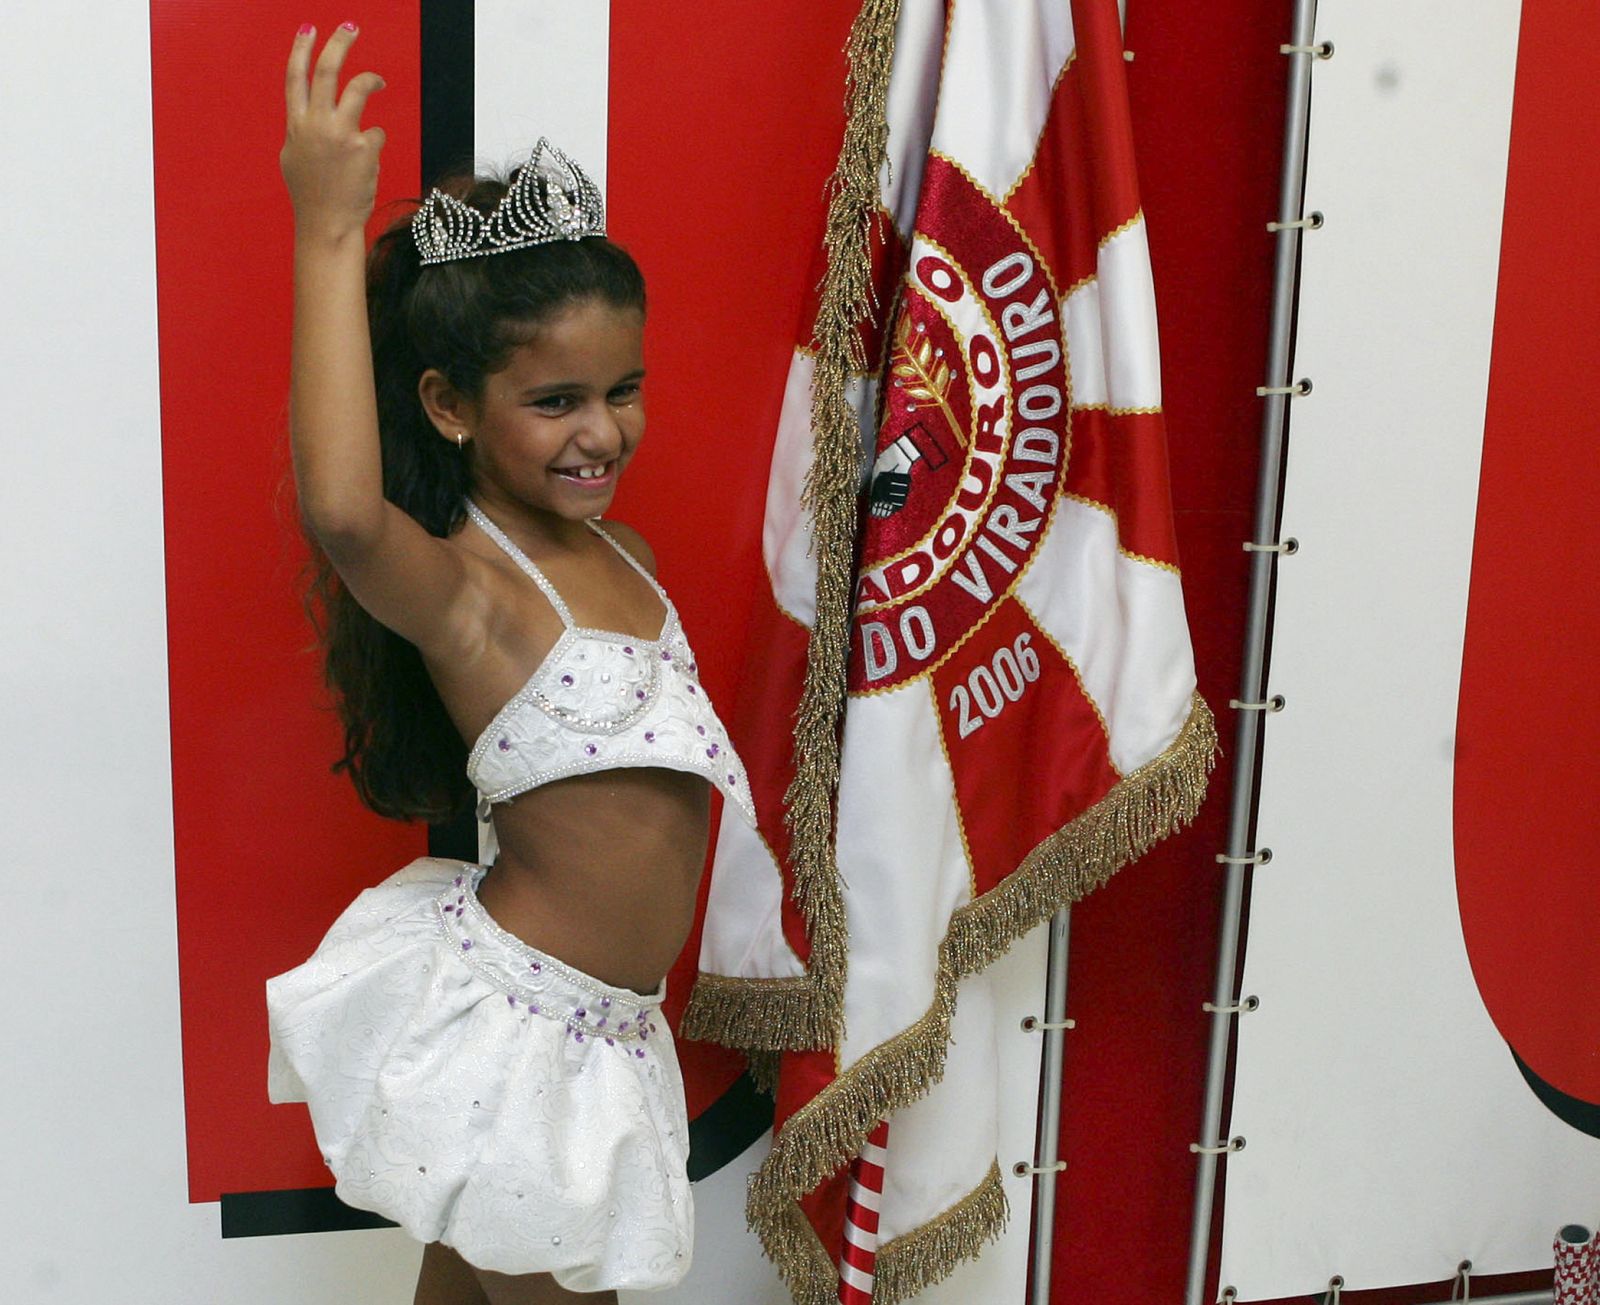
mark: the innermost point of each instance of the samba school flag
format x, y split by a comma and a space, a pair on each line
972, 696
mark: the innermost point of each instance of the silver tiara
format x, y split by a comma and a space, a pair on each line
551, 198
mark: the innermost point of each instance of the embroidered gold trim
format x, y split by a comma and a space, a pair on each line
1127, 225
1116, 522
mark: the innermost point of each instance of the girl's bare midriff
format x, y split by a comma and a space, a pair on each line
601, 871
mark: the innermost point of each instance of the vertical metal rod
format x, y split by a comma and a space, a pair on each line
1047, 1148
1251, 680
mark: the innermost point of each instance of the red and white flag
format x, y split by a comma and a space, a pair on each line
988, 590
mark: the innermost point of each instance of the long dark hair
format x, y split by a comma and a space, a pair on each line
464, 318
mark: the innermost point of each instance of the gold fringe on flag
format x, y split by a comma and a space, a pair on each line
905, 1266
914, 1261
758, 1016
824, 1134
830, 497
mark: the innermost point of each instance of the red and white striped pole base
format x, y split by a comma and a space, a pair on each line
860, 1255
1577, 1267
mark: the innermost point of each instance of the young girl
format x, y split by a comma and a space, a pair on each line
482, 1050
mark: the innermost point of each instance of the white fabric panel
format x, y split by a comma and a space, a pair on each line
96, 1206
993, 1067
991, 124
1075, 582
786, 529
541, 70
884, 826
744, 927
1128, 320
1389, 1135
1086, 354
913, 94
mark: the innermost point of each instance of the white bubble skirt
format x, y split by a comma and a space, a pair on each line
483, 1094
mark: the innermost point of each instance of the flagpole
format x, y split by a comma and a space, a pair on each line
1252, 687
1046, 1163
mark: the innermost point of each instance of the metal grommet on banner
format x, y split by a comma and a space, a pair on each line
1461, 1288
1261, 856
1221, 1148
1033, 1024
1335, 1286
1289, 547
1298, 390
1229, 1296
1233, 1008
1022, 1168
1310, 222
1322, 49
1277, 702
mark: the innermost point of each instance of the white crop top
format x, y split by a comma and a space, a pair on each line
601, 700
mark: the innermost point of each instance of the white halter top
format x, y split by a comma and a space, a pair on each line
601, 700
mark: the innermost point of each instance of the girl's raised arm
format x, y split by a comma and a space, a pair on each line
400, 573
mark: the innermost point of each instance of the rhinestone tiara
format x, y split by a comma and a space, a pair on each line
551, 198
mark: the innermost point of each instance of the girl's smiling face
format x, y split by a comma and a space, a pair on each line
555, 426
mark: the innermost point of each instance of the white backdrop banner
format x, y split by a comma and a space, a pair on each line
1389, 1133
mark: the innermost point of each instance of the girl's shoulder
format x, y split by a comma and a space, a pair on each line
631, 540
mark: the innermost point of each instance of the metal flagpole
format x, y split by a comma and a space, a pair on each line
1263, 558
1046, 1166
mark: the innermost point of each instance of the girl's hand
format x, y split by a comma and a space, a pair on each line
328, 161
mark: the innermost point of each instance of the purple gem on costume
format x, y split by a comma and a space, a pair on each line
606, 1002
639, 694
466, 944
590, 749
505, 745
732, 780
600, 1023
691, 666
691, 688
535, 966
458, 881
652, 1028
649, 736
628, 648
623, 1027
665, 655
639, 1054
700, 730
611, 1042
533, 1006
578, 1036
712, 750
511, 1001
581, 1012
567, 680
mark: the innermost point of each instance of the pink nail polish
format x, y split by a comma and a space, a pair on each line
305, 29
348, 26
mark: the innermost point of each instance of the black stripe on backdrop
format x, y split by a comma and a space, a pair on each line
742, 1114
